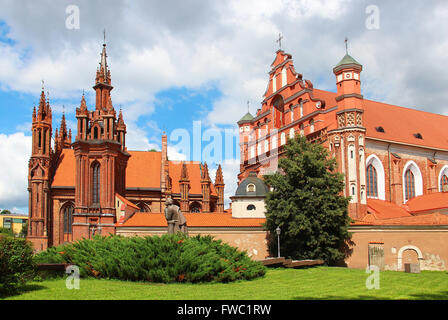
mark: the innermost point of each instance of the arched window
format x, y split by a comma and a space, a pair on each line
282, 138
375, 178
251, 207
95, 133
444, 183
291, 133
412, 181
443, 179
274, 142
195, 207
68, 218
95, 183
251, 188
302, 129
372, 182
143, 207
409, 185
311, 125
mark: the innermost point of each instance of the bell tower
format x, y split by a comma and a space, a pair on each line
101, 160
39, 171
349, 137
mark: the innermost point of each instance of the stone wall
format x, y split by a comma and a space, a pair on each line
427, 246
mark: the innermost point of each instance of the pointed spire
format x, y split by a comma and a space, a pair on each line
83, 106
63, 130
104, 72
42, 103
204, 171
219, 180
184, 173
34, 113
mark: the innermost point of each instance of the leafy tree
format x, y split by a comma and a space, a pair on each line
5, 211
306, 203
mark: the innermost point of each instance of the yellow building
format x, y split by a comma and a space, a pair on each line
14, 221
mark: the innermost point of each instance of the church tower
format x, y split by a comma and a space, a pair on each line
39, 174
101, 160
348, 139
219, 186
205, 187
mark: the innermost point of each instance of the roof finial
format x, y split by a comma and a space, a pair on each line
247, 105
280, 37
346, 45
104, 35
43, 84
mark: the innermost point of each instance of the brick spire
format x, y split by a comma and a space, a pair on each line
219, 185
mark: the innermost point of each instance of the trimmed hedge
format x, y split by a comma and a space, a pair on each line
169, 258
16, 263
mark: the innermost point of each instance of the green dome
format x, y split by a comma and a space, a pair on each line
260, 188
347, 60
247, 118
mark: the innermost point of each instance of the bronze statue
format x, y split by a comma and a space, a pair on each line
175, 218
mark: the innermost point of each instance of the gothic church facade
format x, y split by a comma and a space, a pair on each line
85, 187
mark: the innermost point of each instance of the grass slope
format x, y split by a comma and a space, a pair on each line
278, 284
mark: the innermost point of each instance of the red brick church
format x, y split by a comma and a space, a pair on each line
394, 160
81, 188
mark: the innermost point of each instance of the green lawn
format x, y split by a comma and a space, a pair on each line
312, 283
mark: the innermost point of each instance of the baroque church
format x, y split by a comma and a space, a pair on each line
394, 160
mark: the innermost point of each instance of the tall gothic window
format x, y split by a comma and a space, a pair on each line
444, 183
372, 182
409, 185
96, 183
68, 218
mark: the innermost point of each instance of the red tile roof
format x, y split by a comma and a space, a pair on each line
385, 210
193, 220
429, 125
427, 202
143, 171
382, 212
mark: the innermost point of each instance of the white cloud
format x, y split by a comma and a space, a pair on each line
152, 47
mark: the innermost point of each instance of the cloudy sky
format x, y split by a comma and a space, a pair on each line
176, 62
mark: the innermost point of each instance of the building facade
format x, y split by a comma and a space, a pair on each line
394, 160
85, 187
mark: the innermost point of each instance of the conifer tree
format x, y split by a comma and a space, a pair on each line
306, 202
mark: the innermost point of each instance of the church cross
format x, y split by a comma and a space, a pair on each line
280, 37
346, 45
247, 105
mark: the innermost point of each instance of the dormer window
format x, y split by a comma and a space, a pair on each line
380, 129
418, 135
250, 188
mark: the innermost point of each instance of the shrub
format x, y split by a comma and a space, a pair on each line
169, 258
16, 263
6, 231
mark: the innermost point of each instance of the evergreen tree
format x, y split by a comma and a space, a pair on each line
306, 203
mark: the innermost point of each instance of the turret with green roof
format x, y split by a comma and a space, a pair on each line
247, 118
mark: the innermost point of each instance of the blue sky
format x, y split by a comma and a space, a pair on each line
202, 62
